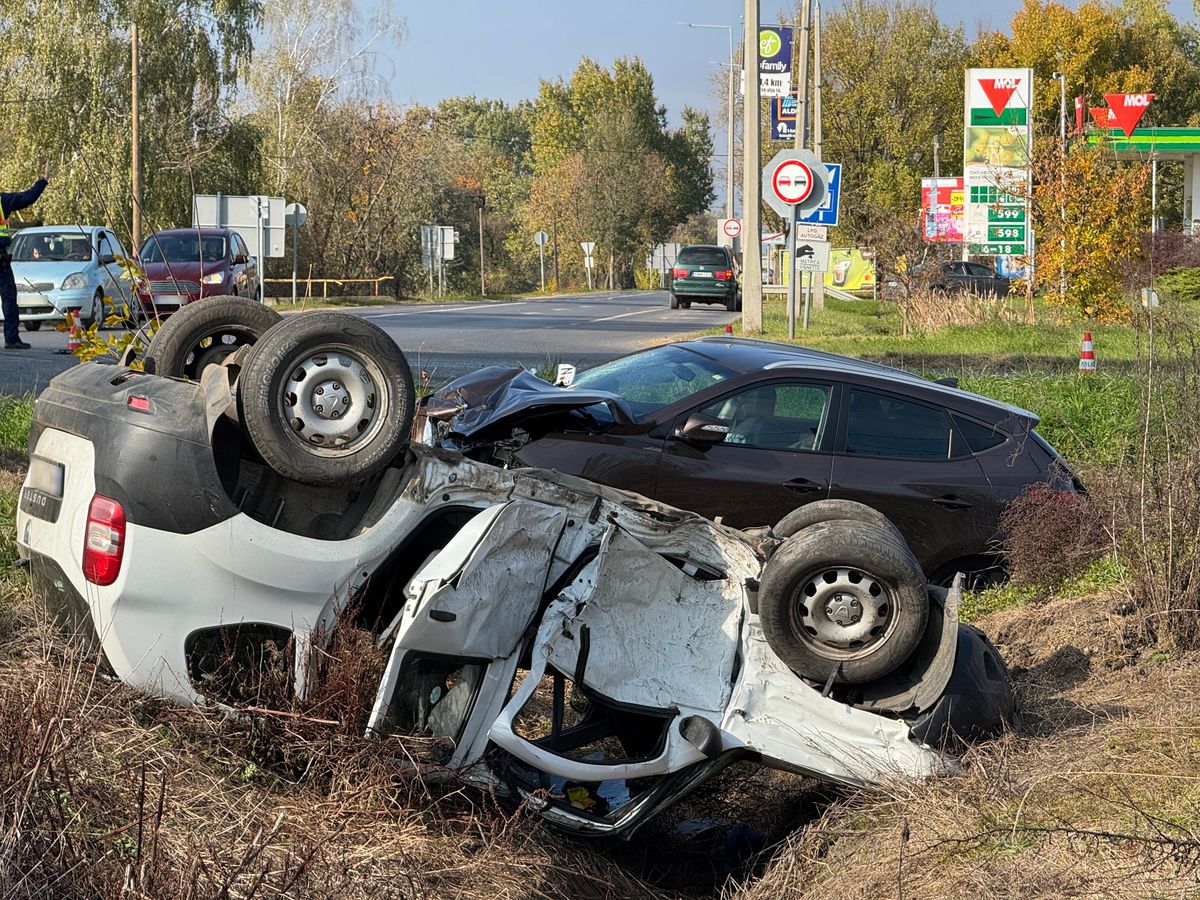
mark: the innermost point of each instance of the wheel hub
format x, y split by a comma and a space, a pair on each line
844, 609
330, 400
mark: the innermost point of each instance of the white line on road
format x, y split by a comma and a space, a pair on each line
636, 312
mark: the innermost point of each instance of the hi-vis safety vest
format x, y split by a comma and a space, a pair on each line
5, 234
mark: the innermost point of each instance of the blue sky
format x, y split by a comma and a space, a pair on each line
502, 48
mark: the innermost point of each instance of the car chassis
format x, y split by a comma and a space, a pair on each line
593, 652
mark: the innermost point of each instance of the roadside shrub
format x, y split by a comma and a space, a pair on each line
1182, 285
647, 279
1052, 535
929, 309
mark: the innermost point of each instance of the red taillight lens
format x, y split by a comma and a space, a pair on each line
103, 541
723, 275
679, 273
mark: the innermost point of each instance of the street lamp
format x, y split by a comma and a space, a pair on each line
729, 117
1062, 180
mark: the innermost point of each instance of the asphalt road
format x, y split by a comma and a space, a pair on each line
447, 340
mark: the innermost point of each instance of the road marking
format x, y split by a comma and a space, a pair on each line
636, 312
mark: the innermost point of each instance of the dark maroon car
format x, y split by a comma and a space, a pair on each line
182, 265
746, 431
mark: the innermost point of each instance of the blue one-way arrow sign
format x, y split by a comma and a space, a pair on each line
827, 212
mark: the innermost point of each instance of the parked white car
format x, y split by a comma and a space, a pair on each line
61, 269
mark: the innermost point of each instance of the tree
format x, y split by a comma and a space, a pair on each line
66, 92
892, 78
1089, 224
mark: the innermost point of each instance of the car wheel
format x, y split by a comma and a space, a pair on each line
831, 511
674, 302
843, 600
327, 398
685, 304
95, 312
201, 334
979, 572
731, 304
33, 326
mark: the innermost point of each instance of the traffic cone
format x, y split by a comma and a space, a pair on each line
1087, 356
729, 329
73, 336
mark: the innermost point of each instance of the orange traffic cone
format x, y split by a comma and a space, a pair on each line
1087, 356
73, 341
729, 329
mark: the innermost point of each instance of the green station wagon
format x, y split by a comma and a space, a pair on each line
705, 273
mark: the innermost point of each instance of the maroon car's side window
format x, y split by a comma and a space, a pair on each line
775, 416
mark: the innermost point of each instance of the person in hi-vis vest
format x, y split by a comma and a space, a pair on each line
9, 204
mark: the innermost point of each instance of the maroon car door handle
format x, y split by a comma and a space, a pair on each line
949, 501
803, 486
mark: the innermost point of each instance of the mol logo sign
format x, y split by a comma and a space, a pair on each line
1126, 110
999, 91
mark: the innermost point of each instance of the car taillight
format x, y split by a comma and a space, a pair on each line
679, 273
103, 541
724, 274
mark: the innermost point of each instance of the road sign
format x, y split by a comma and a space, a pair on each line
794, 182
731, 227
1128, 109
827, 212
588, 247
295, 214
540, 238
811, 232
812, 256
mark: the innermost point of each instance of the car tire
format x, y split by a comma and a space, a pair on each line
685, 304
95, 311
831, 511
201, 334
674, 302
369, 379
33, 326
843, 600
731, 304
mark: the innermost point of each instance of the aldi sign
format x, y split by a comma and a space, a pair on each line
996, 161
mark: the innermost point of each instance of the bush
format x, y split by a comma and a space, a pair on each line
1182, 285
1051, 535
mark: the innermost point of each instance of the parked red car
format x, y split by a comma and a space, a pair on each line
182, 265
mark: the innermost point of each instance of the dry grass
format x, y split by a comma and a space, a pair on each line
928, 309
1097, 796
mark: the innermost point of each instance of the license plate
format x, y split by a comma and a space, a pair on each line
169, 299
32, 300
42, 494
702, 275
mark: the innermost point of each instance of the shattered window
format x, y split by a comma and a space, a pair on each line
434, 696
654, 379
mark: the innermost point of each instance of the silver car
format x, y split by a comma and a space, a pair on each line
61, 269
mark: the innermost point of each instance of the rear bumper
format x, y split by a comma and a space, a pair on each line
702, 289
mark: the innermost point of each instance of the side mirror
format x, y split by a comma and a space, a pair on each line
240, 259
701, 429
107, 260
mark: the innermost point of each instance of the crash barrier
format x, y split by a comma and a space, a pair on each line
324, 283
1087, 356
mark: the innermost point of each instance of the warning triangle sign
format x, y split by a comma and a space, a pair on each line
1127, 110
999, 91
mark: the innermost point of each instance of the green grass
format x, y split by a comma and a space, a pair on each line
871, 329
15, 413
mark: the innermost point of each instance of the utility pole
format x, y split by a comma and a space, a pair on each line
752, 306
1062, 182
482, 202
802, 138
818, 282
729, 116
135, 154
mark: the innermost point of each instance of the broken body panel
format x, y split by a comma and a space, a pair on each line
630, 623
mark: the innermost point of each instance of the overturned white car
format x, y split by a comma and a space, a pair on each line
590, 650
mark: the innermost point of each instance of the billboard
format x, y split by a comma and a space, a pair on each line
774, 62
949, 222
849, 270
996, 154
783, 118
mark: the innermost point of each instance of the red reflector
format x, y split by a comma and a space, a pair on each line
103, 541
679, 273
141, 403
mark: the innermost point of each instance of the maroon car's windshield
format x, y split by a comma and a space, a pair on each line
655, 378
183, 248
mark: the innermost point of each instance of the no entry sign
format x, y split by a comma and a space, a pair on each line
732, 227
792, 181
